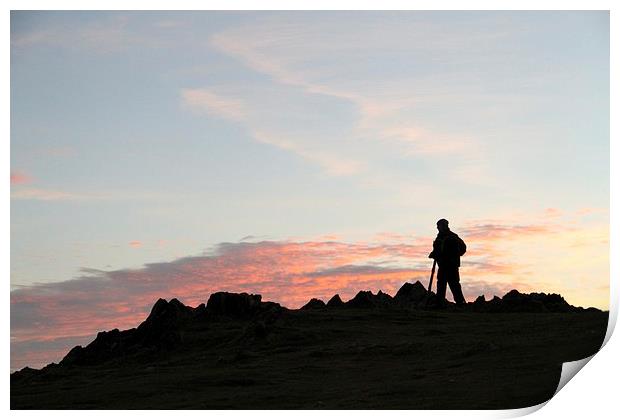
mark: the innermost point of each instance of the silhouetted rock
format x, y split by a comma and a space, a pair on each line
553, 302
479, 305
270, 311
335, 302
411, 294
24, 374
200, 310
483, 305
366, 299
363, 299
314, 304
74, 357
107, 345
514, 296
162, 330
234, 305
591, 309
383, 299
167, 314
162, 327
514, 301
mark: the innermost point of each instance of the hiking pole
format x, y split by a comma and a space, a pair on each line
430, 283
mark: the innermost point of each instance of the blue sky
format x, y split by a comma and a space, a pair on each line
146, 137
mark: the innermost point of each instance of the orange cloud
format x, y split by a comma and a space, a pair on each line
135, 244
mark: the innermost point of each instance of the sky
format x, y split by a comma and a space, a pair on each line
298, 155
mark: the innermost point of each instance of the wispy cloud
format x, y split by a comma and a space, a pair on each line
268, 121
47, 194
115, 33
366, 122
297, 52
212, 103
478, 231
44, 195
332, 162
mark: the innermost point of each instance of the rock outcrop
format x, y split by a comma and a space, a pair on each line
412, 294
366, 299
515, 301
162, 330
314, 304
233, 305
162, 327
335, 302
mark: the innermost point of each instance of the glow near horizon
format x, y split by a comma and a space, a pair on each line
143, 137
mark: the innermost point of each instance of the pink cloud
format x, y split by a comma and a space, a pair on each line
135, 244
19, 178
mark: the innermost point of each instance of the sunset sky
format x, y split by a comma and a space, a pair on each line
298, 155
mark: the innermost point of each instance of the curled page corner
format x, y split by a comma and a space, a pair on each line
611, 321
521, 412
570, 369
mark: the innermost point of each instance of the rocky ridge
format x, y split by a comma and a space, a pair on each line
168, 323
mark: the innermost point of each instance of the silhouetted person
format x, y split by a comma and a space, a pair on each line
447, 251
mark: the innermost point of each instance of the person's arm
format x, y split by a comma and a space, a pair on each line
434, 253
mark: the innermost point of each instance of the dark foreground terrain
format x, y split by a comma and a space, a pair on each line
375, 351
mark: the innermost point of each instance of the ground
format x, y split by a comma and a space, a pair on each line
336, 358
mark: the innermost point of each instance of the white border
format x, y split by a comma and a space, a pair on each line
591, 395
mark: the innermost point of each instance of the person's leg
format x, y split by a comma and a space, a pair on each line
441, 286
454, 281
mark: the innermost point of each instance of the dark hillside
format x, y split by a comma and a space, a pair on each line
374, 351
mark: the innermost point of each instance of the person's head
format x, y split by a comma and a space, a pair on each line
442, 225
